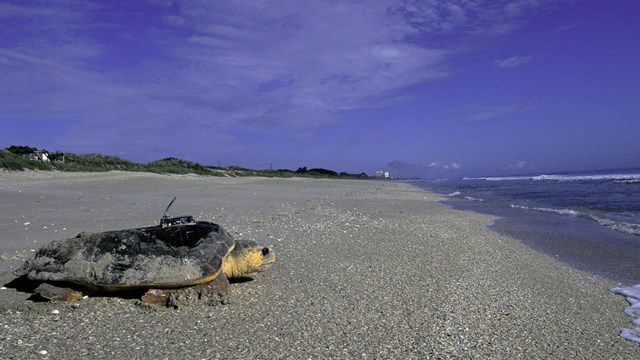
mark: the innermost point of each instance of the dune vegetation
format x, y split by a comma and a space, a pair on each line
19, 158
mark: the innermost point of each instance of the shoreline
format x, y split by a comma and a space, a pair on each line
365, 269
576, 240
579, 242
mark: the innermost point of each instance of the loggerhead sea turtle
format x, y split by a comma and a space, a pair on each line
178, 253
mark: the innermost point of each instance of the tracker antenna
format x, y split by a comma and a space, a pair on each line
165, 216
178, 220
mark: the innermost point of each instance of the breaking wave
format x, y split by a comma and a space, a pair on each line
626, 178
620, 226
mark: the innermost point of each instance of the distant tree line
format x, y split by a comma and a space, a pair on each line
21, 150
17, 158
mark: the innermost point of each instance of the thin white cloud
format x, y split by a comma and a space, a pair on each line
479, 112
452, 166
512, 62
472, 16
333, 57
248, 65
519, 165
437, 165
420, 169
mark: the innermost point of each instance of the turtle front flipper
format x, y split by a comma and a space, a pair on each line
56, 293
211, 293
156, 296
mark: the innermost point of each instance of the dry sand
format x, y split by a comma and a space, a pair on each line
366, 269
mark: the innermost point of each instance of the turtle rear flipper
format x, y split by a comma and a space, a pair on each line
56, 293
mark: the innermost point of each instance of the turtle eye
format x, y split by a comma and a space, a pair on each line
265, 251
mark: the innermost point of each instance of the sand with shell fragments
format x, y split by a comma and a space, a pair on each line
366, 269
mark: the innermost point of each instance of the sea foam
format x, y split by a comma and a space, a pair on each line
621, 226
557, 211
632, 294
627, 178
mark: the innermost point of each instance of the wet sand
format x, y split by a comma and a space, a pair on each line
366, 269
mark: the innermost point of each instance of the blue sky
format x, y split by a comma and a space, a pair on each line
419, 88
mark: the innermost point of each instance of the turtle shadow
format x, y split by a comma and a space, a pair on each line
240, 280
24, 285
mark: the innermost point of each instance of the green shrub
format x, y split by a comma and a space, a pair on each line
173, 165
13, 158
96, 163
21, 150
11, 161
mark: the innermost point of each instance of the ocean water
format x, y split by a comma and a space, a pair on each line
590, 220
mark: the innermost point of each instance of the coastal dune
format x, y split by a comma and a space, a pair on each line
365, 269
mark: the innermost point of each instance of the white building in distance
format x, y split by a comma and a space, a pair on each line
382, 174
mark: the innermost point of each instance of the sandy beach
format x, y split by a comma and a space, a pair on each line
365, 269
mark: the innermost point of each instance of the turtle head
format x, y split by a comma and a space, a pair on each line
248, 258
